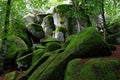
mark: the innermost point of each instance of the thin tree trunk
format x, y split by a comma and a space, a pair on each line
76, 5
4, 40
104, 22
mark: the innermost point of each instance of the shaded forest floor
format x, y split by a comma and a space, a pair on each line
115, 55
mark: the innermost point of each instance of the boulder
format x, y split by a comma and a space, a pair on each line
37, 54
23, 62
29, 18
94, 69
36, 64
48, 25
36, 32
48, 39
15, 46
51, 46
87, 43
39, 18
20, 30
60, 33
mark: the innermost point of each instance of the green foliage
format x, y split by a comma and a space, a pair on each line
114, 23
11, 75
15, 45
112, 47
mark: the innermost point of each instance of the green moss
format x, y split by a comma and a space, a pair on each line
64, 9
36, 31
93, 46
37, 54
21, 31
73, 70
37, 27
86, 43
60, 29
10, 76
94, 69
47, 39
36, 64
15, 45
51, 46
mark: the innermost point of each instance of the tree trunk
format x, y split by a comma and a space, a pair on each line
4, 40
76, 5
103, 17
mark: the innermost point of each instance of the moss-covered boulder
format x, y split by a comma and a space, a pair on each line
19, 29
15, 46
10, 76
84, 44
39, 18
36, 64
94, 69
51, 46
48, 39
48, 25
36, 32
37, 54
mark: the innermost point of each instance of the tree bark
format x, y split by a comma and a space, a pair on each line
6, 25
103, 17
76, 8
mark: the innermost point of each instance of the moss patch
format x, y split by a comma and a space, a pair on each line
94, 69
48, 39
10, 76
51, 46
15, 45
